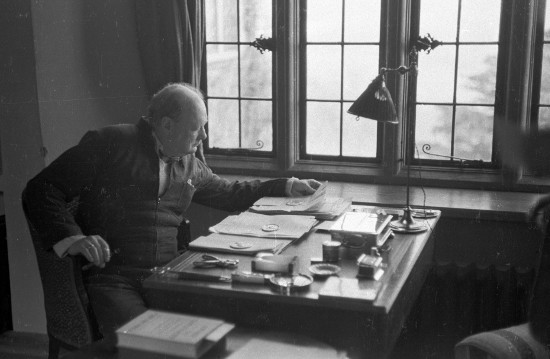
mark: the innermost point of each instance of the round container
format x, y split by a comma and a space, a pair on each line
324, 269
331, 251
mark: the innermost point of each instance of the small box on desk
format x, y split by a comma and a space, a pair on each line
369, 267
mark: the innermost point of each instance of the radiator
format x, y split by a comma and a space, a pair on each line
473, 297
459, 299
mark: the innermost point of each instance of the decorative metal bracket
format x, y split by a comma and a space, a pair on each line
263, 44
426, 43
463, 161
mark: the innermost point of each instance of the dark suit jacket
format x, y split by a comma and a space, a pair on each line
114, 172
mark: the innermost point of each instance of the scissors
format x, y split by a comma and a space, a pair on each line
210, 261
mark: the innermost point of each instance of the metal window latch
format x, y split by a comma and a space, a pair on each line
263, 44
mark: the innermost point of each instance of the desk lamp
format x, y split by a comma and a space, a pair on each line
376, 103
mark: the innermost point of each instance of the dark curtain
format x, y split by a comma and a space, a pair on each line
171, 42
539, 315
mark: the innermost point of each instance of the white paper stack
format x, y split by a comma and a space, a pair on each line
261, 225
217, 242
318, 205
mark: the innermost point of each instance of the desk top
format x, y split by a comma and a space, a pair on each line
401, 259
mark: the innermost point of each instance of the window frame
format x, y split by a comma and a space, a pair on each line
397, 29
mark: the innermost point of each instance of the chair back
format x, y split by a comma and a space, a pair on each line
68, 313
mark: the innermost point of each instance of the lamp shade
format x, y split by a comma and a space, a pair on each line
375, 103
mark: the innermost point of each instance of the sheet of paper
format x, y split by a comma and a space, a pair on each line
290, 204
261, 225
227, 243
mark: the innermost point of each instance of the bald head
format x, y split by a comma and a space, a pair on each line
178, 116
174, 100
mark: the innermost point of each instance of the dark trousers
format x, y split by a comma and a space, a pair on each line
115, 299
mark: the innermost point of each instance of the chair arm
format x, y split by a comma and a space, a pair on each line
510, 343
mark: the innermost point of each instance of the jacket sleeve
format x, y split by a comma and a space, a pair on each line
47, 197
216, 192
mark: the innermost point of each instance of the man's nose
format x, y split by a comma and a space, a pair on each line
202, 134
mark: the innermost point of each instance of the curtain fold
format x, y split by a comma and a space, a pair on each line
171, 41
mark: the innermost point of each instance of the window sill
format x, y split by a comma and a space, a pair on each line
453, 203
455, 178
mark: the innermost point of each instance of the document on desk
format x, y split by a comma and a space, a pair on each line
295, 204
226, 243
331, 208
261, 225
317, 205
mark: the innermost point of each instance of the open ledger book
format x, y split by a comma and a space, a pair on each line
318, 205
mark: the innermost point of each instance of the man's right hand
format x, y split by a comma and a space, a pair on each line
93, 248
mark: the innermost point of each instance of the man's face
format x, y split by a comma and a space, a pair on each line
183, 135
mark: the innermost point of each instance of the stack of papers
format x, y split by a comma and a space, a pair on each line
261, 225
234, 244
317, 205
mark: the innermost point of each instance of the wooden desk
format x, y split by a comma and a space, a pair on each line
362, 329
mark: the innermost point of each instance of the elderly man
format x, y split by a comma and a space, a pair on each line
134, 183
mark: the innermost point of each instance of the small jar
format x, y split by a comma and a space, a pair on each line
331, 251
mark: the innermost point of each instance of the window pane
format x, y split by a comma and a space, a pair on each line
474, 132
545, 76
222, 70
255, 19
255, 73
436, 75
324, 21
480, 20
323, 128
544, 118
477, 68
323, 72
360, 68
359, 135
439, 18
434, 128
256, 124
362, 22
223, 123
547, 23
221, 20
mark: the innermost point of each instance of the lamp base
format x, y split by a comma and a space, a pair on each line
407, 224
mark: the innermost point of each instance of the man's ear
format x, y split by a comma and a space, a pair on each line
166, 123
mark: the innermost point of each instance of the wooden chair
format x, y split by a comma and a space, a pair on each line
69, 319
